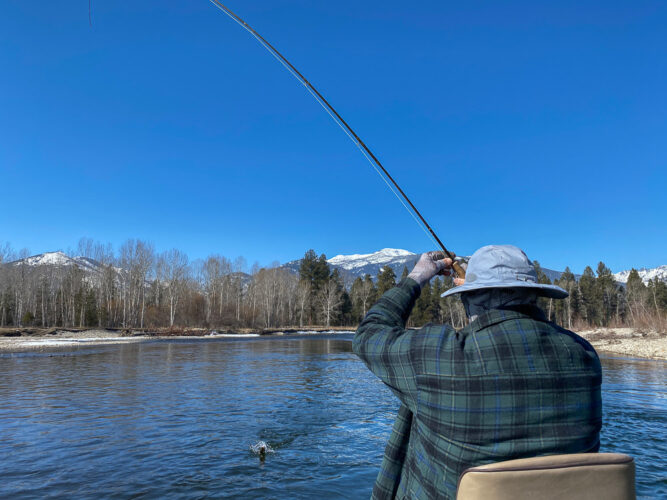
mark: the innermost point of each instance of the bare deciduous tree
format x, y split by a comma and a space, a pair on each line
330, 299
174, 264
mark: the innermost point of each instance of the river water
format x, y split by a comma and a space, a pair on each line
176, 419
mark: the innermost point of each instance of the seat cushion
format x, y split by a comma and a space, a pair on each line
580, 476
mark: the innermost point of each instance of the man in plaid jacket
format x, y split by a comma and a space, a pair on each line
509, 385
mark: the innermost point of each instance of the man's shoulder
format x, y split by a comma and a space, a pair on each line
435, 339
440, 348
434, 335
573, 337
531, 343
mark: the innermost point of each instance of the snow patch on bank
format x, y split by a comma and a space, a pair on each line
53, 342
327, 332
232, 335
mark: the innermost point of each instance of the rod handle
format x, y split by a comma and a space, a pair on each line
458, 270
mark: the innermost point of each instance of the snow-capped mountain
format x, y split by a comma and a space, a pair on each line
646, 275
386, 256
91, 267
358, 265
59, 259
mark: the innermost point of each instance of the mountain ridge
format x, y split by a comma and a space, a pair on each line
349, 266
358, 265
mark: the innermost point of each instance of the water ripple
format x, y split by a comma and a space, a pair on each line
176, 420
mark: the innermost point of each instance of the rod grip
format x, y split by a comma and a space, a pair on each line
458, 270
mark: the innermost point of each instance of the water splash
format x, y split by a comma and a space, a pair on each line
261, 448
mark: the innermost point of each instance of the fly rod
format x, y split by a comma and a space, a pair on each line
375, 163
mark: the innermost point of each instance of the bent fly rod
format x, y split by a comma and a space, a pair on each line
372, 159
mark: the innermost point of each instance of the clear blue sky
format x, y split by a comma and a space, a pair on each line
542, 124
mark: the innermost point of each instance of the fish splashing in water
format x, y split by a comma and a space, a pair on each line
261, 448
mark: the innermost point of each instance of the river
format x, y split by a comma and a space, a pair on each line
176, 419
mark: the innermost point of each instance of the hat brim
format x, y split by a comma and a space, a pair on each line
543, 290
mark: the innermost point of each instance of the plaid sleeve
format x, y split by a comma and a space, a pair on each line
389, 478
385, 346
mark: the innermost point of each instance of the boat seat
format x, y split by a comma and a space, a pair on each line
580, 476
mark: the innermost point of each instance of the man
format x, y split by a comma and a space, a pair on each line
509, 385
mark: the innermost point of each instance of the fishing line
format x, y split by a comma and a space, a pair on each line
370, 157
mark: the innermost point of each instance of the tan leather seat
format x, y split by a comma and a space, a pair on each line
581, 476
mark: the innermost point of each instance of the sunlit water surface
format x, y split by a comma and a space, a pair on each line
177, 419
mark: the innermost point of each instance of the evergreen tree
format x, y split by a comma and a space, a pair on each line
636, 295
605, 294
635, 283
575, 303
335, 276
373, 297
356, 291
307, 266
386, 280
314, 272
589, 299
546, 304
27, 319
541, 277
437, 289
657, 294
567, 275
346, 316
569, 306
421, 313
322, 271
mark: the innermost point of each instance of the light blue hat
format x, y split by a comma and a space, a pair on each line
503, 266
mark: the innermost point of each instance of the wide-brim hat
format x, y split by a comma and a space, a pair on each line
503, 266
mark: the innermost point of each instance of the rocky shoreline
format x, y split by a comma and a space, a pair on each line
627, 342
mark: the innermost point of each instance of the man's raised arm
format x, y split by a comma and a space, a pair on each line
383, 343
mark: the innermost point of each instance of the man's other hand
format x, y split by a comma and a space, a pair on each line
429, 265
464, 266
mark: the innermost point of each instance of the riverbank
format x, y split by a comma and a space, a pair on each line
618, 341
28, 339
628, 342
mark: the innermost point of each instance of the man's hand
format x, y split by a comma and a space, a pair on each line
430, 264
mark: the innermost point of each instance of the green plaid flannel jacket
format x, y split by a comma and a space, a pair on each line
509, 385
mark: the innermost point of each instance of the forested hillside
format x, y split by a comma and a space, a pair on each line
136, 287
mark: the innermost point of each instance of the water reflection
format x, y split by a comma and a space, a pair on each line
177, 419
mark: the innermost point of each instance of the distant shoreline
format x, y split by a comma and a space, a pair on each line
30, 339
615, 341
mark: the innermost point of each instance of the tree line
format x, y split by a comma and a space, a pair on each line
137, 287
595, 300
